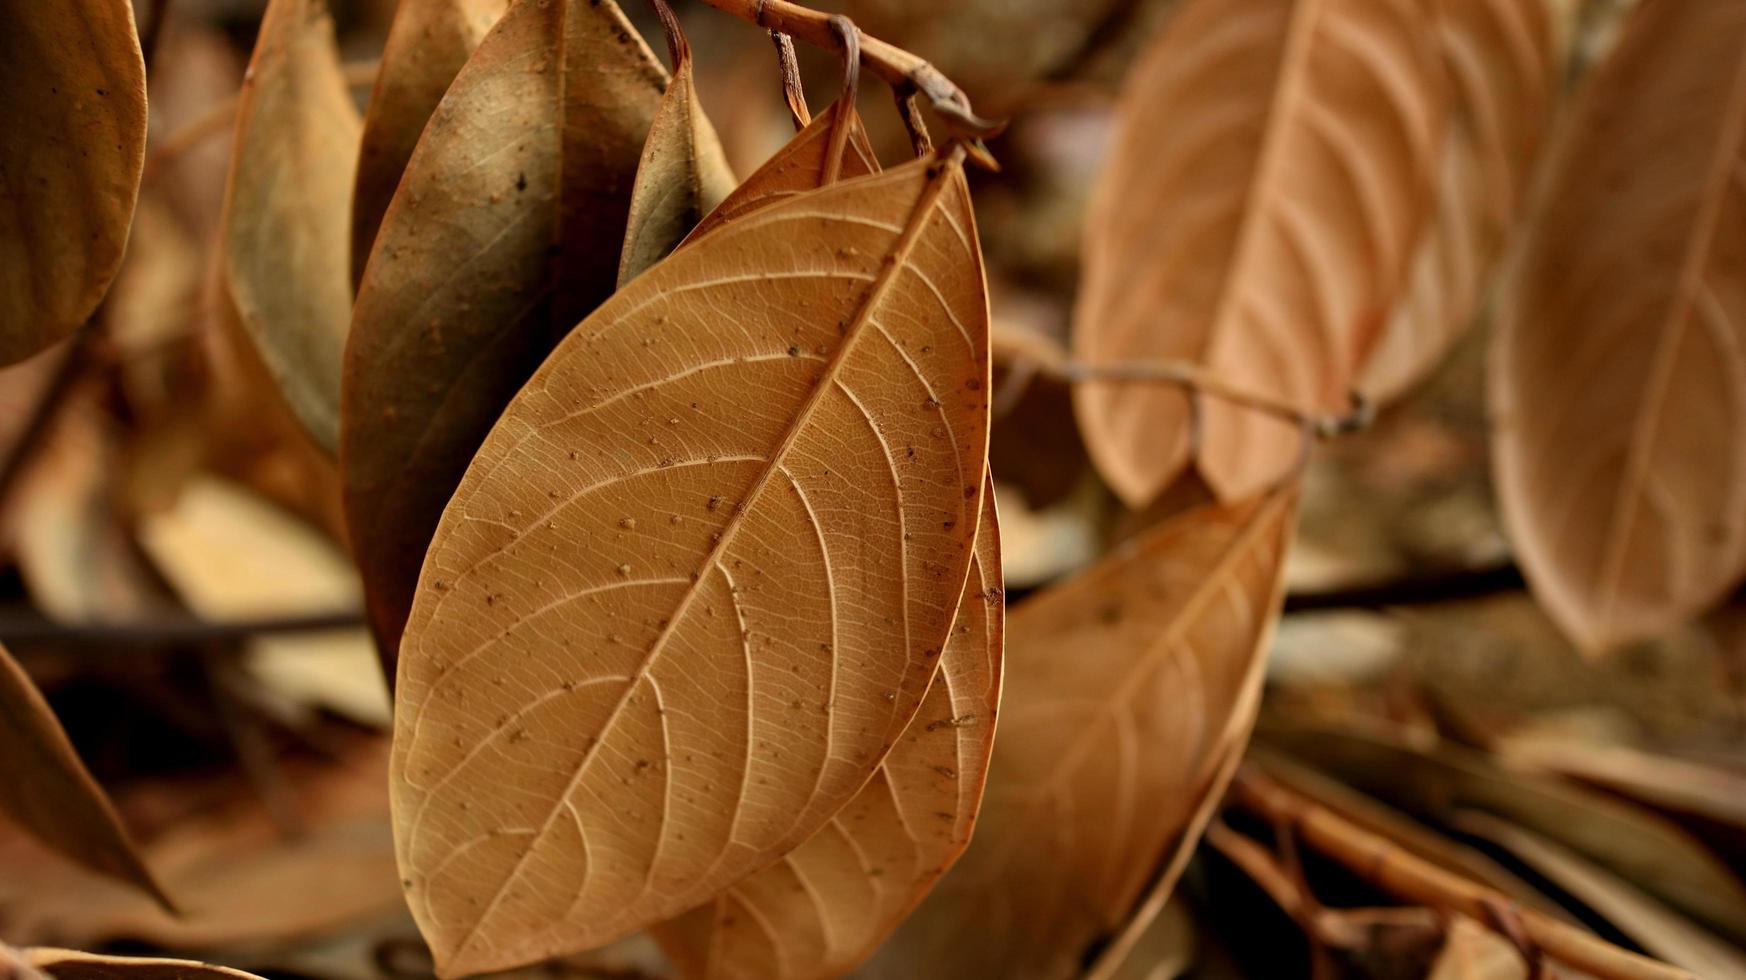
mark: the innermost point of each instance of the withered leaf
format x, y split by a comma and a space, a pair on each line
1503, 61
72, 94
1659, 930
287, 205
804, 163
683, 173
1473, 952
48, 792
666, 630
1271, 172
1618, 380
427, 44
1122, 687
824, 907
503, 235
67, 964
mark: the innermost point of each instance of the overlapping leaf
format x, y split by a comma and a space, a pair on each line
286, 208
823, 908
1502, 61
72, 94
505, 233
698, 579
47, 790
1619, 377
427, 44
1271, 173
67, 964
682, 175
1122, 691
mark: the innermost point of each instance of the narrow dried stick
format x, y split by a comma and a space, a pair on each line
891, 63
1027, 346
1414, 879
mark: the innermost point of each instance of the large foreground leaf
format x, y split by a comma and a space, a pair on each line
1619, 377
427, 44
46, 790
286, 208
698, 579
823, 908
72, 144
1271, 173
1123, 686
1503, 61
504, 234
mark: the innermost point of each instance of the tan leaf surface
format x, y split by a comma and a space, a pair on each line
48, 791
1473, 952
1503, 60
67, 964
1121, 687
72, 145
1271, 172
427, 44
1660, 931
697, 581
801, 165
681, 176
824, 907
504, 234
287, 207
1618, 381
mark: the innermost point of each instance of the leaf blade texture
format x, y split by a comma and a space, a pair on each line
72, 91
1616, 380
287, 202
823, 908
671, 572
1270, 174
428, 42
1100, 752
49, 792
503, 235
1503, 61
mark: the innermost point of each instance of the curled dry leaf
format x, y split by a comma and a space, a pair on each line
67, 964
505, 233
824, 907
1502, 59
48, 792
286, 208
1123, 686
802, 164
665, 631
683, 173
1659, 930
1473, 952
1270, 176
72, 93
1618, 380
427, 44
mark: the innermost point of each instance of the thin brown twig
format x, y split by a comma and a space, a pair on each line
1455, 585
792, 90
1407, 876
154, 33
166, 631
891, 63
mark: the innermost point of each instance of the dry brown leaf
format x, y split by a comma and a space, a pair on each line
1122, 688
504, 234
682, 174
1433, 782
826, 906
570, 762
427, 44
1659, 930
1270, 176
287, 208
72, 94
1680, 785
1618, 381
48, 792
1473, 952
801, 165
1503, 61
67, 964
